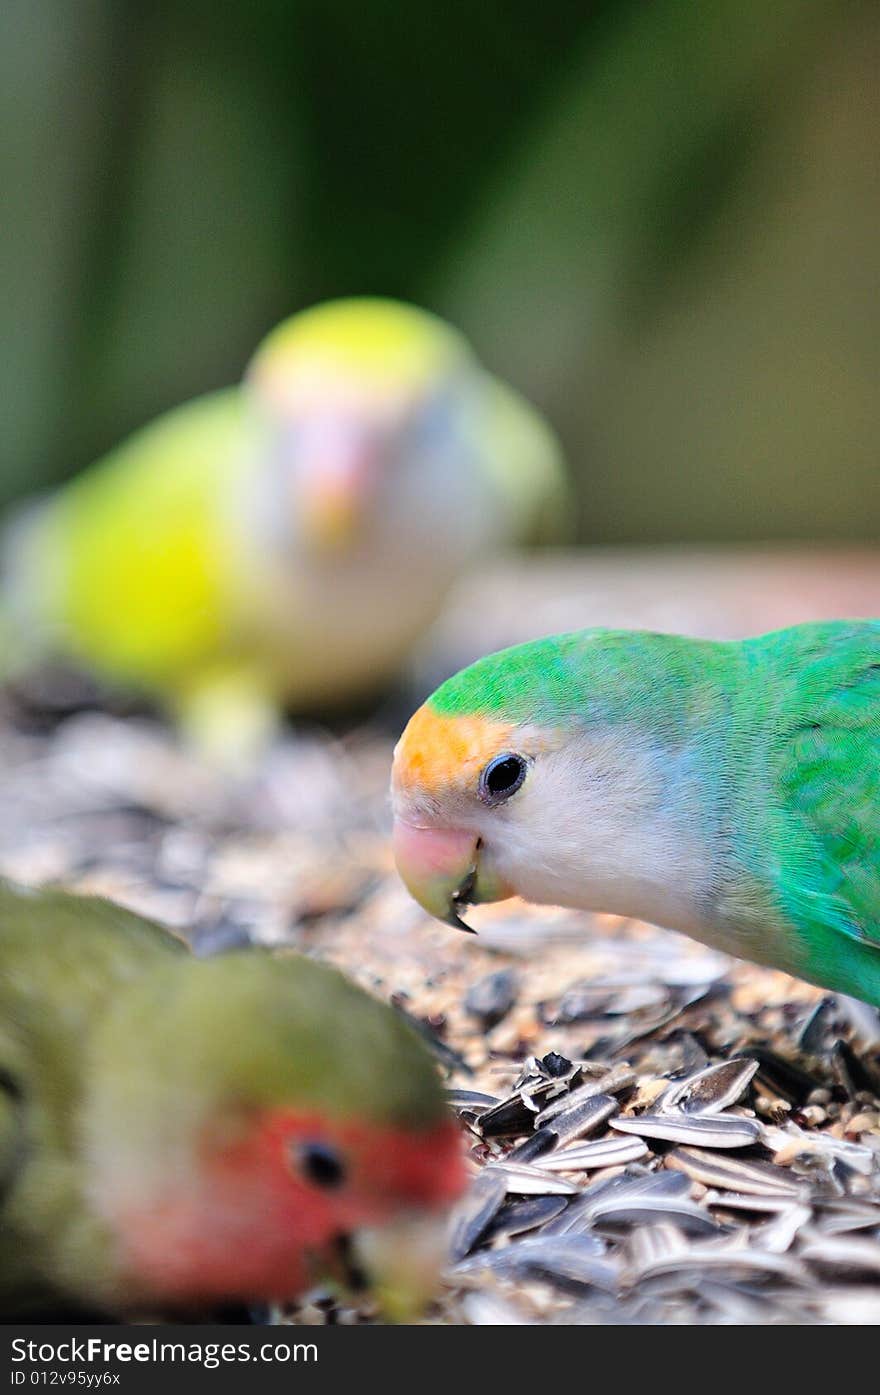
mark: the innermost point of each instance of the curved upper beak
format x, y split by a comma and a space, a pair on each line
443, 870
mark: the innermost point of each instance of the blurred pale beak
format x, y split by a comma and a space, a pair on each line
331, 505
402, 1262
442, 869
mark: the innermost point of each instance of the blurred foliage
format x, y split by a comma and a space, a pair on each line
659, 220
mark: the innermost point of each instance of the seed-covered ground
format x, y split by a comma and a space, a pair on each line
656, 1133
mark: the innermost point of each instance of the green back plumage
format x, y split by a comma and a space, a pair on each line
816, 833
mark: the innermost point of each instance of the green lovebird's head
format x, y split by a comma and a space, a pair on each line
481, 769
542, 771
254, 1123
367, 406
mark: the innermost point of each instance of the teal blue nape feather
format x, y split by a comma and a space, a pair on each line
727, 790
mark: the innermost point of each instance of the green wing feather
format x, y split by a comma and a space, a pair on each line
828, 772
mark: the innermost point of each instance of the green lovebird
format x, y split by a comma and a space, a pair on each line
727, 790
285, 543
176, 1132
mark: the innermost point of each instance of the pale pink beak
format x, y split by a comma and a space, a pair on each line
440, 868
332, 501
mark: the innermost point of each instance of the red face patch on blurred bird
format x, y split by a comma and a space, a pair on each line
259, 1217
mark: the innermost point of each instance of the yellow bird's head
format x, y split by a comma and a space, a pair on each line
366, 403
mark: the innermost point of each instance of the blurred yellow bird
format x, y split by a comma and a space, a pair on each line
284, 543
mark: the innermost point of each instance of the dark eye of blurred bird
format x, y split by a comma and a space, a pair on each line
321, 1164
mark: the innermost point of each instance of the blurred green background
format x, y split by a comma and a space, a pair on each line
659, 220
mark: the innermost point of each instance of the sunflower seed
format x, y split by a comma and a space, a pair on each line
734, 1174
712, 1089
449, 1059
472, 1215
552, 1066
837, 1255
855, 1074
568, 1261
612, 1082
863, 1019
650, 1243
535, 1097
577, 1214
582, 1002
531, 1181
583, 1118
578, 1004
471, 1100
693, 1054
777, 1236
638, 1182
532, 1069
811, 1037
623, 1210
784, 1077
509, 1119
842, 1217
791, 1139
740, 1263
490, 999
521, 1216
601, 1152
712, 1131
739, 1201
547, 1077
735, 1304
535, 1146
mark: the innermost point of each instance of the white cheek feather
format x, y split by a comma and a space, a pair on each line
593, 827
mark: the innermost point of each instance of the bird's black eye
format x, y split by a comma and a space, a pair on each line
502, 777
320, 1164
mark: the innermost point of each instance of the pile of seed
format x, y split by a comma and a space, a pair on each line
673, 1197
656, 1133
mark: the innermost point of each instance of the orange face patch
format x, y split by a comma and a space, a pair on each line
437, 752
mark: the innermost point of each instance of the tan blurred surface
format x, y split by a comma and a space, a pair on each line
717, 592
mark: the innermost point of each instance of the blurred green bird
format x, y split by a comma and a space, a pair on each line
177, 1133
284, 543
